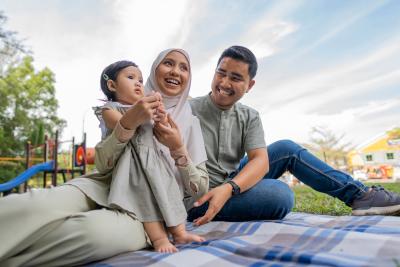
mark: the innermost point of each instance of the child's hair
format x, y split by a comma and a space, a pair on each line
111, 73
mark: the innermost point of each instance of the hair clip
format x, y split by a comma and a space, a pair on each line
105, 77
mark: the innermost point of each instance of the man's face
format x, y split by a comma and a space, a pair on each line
231, 81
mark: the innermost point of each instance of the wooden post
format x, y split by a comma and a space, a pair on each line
73, 158
84, 154
55, 157
23, 187
45, 155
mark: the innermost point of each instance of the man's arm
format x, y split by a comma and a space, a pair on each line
250, 175
254, 170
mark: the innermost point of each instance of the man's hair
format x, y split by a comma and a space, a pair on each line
244, 54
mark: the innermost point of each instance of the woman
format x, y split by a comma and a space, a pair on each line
67, 225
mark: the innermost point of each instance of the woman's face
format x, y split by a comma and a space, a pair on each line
172, 75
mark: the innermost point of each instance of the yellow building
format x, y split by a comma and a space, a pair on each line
381, 155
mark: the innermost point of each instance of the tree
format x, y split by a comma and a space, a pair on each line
37, 134
327, 146
10, 45
27, 100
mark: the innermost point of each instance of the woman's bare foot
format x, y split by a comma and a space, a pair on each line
163, 245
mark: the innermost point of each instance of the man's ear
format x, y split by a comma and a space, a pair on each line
251, 84
111, 85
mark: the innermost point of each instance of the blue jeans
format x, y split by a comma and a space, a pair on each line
272, 199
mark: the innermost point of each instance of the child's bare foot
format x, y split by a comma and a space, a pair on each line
181, 236
185, 237
163, 245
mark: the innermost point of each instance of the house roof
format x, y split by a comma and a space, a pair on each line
379, 142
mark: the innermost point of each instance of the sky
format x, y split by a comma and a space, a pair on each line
334, 64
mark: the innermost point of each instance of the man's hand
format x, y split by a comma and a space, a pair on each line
216, 198
168, 134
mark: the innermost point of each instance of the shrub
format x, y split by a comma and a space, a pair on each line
9, 170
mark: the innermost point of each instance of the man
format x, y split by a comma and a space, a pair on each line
248, 189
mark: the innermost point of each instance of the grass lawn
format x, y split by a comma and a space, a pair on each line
311, 201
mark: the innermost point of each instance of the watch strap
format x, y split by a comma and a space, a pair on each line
235, 187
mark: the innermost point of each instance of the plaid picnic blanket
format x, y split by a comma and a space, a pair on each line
298, 240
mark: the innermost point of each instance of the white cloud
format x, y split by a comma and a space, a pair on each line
262, 36
358, 123
342, 25
341, 81
78, 48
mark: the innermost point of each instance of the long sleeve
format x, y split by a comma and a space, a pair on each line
195, 179
110, 149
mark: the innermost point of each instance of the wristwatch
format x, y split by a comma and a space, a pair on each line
235, 188
181, 161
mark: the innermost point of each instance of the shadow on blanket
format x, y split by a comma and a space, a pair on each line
299, 239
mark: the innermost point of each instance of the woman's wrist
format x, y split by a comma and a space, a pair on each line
180, 156
176, 147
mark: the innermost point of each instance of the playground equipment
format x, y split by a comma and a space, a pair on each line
23, 177
80, 157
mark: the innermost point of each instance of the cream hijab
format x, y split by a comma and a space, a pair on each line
179, 109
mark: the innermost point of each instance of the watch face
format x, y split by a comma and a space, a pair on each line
181, 161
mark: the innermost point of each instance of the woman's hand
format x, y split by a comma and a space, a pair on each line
168, 134
161, 115
141, 112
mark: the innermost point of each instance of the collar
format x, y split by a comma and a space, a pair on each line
213, 107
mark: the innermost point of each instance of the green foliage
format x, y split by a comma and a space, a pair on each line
9, 170
37, 134
311, 201
27, 100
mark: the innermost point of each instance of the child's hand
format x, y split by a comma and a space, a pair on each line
157, 95
143, 111
160, 115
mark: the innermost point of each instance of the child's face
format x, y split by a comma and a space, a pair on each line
129, 85
173, 74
